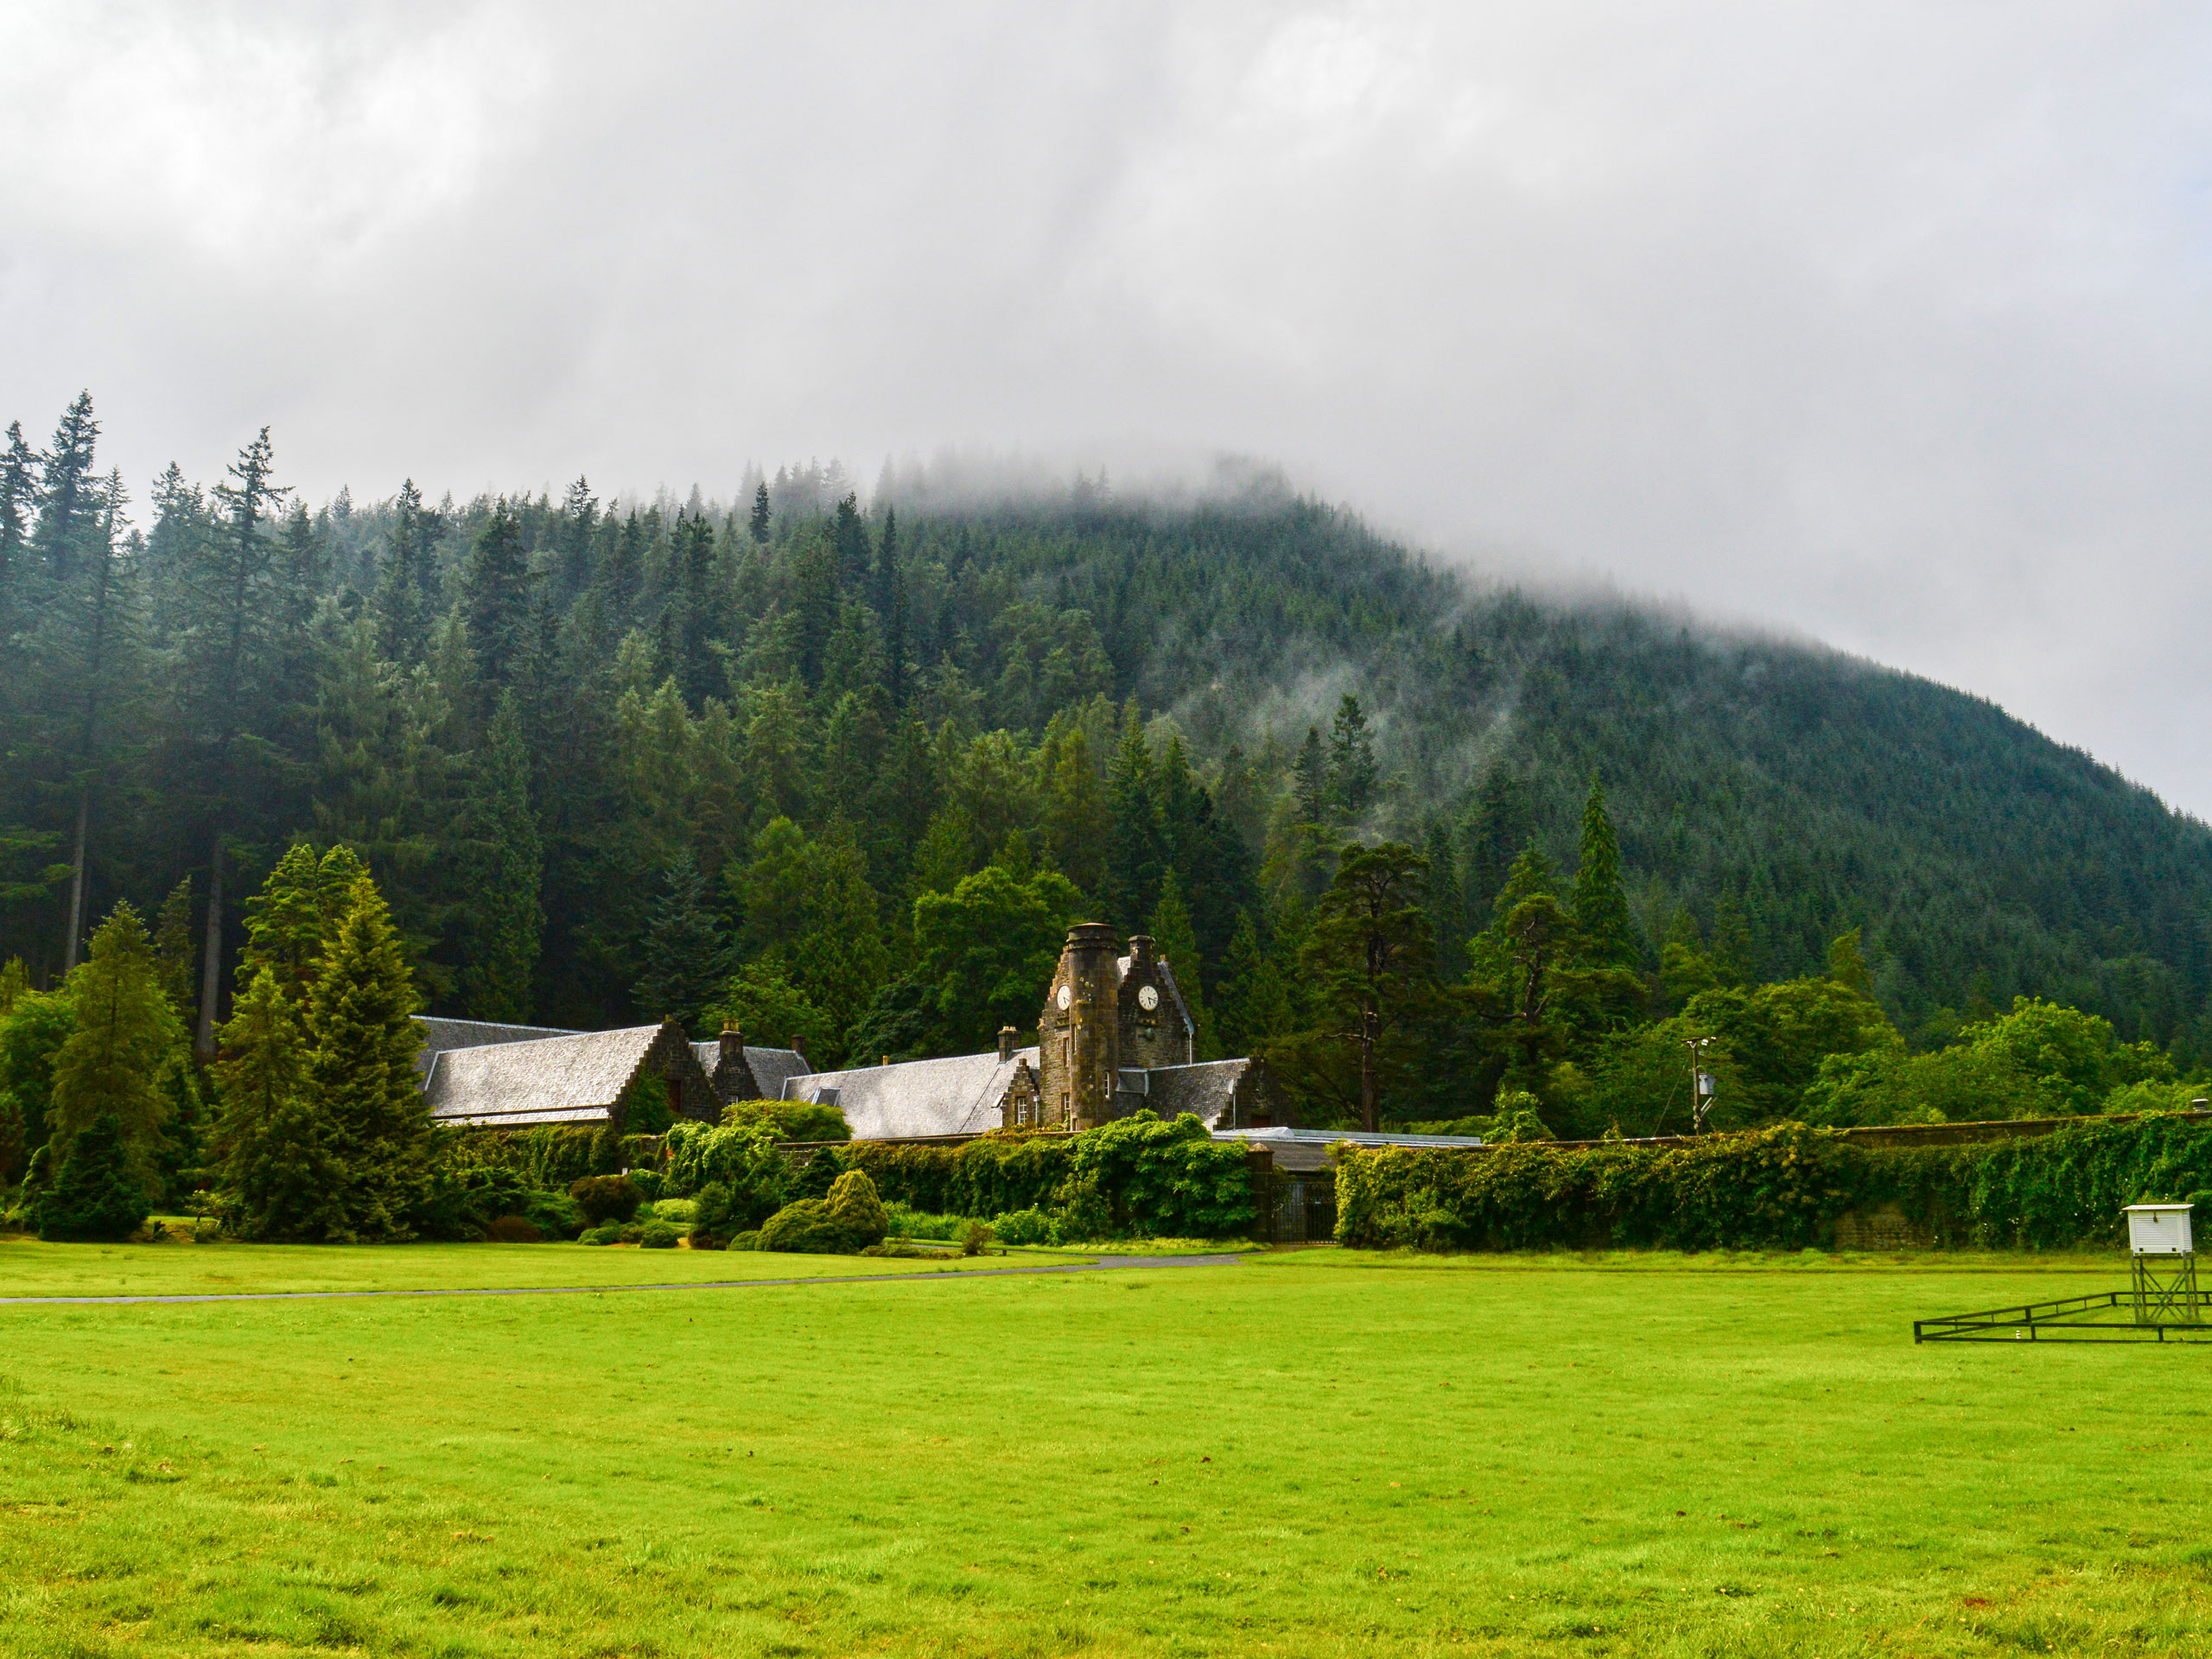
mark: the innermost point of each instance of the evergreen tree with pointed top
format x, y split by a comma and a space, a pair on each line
1174, 937
289, 923
1601, 897
1131, 887
1255, 1004
125, 1033
1355, 780
684, 959
761, 518
502, 919
890, 607
406, 597
362, 1040
97, 1195
277, 1173
495, 592
1447, 904
173, 960
1310, 787
69, 491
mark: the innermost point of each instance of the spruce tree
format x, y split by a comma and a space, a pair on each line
1131, 887
684, 959
173, 947
97, 1194
1173, 938
495, 602
1447, 904
1255, 1003
406, 595
126, 1033
290, 921
1355, 780
504, 864
276, 1173
890, 607
69, 491
758, 522
1310, 787
1600, 900
363, 1041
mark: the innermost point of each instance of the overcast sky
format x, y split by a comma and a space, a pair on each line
1887, 324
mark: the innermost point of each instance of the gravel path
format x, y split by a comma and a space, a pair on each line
938, 1275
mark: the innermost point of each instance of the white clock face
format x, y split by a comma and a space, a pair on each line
1063, 999
1148, 998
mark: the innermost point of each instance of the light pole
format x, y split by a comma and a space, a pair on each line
1701, 1082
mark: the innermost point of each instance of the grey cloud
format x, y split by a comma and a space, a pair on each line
1884, 323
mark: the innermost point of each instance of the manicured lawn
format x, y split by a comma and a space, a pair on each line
1311, 1454
28, 1268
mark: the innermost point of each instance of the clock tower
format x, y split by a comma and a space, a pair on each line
1078, 1038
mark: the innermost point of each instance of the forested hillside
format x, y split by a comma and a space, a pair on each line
843, 771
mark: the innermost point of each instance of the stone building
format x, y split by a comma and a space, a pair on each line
1114, 1036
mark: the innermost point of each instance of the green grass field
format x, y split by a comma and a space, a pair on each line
1311, 1453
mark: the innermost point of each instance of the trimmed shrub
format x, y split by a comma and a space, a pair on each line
607, 1233
806, 1227
660, 1236
513, 1229
601, 1198
1171, 1181
711, 1224
94, 1196
855, 1207
745, 1240
675, 1210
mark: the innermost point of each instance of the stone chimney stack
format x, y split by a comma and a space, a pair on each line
1079, 1036
733, 1041
1007, 1037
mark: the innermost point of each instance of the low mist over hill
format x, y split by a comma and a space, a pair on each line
601, 758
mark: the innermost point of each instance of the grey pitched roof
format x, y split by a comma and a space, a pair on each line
959, 1096
439, 1035
769, 1067
566, 1079
1205, 1090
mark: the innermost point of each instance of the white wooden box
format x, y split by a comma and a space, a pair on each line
2159, 1230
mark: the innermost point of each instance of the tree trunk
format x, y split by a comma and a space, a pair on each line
1370, 1022
211, 961
76, 933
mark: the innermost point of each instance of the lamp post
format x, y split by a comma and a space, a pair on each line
1701, 1082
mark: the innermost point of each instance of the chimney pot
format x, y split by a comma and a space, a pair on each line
1007, 1035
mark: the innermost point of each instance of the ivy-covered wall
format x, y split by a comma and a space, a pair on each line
1785, 1187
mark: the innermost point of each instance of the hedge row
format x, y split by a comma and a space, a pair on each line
1137, 1175
1779, 1188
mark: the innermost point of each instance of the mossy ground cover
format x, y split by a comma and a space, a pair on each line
1307, 1455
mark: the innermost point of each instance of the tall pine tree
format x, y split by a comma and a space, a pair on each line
361, 1076
504, 862
277, 1175
1600, 898
126, 1035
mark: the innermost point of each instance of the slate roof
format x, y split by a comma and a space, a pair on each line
1206, 1090
439, 1035
959, 1096
564, 1079
769, 1067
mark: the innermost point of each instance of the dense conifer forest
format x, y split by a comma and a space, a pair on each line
839, 764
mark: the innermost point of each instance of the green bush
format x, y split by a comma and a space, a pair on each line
1783, 1187
855, 1208
601, 1198
95, 1195
790, 1120
1031, 1226
907, 1223
555, 1214
606, 1233
660, 1236
674, 1209
513, 1229
805, 1228
750, 1241
1167, 1180
740, 1157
